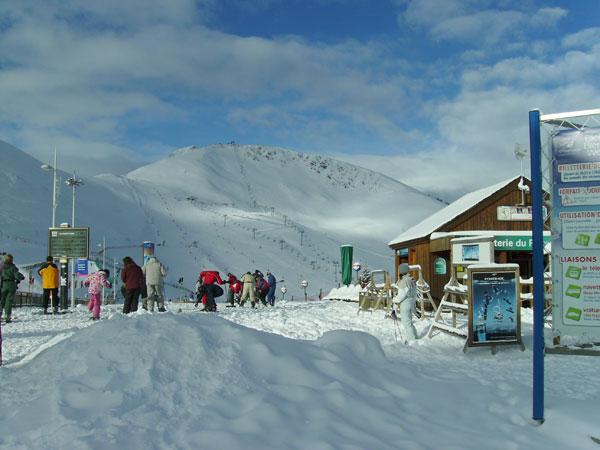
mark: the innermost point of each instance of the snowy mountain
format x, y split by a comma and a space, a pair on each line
229, 207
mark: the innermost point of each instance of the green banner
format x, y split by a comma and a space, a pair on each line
346, 264
515, 243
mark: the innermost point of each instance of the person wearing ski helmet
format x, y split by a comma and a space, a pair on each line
406, 299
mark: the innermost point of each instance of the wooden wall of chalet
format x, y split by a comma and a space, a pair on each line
485, 216
480, 218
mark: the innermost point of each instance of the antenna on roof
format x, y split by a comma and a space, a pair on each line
520, 153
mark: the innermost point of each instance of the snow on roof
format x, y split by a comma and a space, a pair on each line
450, 212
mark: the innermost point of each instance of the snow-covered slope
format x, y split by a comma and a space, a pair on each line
229, 207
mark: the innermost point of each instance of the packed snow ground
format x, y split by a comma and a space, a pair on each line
301, 375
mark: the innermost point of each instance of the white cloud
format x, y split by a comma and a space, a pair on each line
587, 37
77, 69
477, 23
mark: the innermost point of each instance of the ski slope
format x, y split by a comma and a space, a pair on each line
228, 207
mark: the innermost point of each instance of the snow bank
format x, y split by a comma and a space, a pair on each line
187, 381
348, 293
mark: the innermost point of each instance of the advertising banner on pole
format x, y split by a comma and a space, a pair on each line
346, 251
81, 267
494, 306
148, 250
576, 225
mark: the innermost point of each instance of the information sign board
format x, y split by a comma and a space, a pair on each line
473, 250
513, 243
69, 242
81, 267
494, 306
576, 223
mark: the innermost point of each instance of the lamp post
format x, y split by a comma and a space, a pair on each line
103, 245
115, 281
283, 291
73, 182
304, 285
335, 269
53, 168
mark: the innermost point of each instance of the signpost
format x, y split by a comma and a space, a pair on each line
147, 250
356, 267
304, 285
494, 306
81, 267
513, 243
517, 213
576, 222
69, 242
575, 172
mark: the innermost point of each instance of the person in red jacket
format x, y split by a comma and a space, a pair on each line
262, 289
235, 288
208, 290
133, 277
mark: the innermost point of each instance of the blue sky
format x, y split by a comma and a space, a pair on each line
434, 92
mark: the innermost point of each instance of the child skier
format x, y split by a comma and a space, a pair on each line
94, 283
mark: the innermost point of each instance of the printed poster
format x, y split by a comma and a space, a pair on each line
576, 227
494, 303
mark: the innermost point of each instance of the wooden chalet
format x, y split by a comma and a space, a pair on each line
500, 210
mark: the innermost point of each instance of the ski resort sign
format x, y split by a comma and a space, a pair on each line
576, 223
494, 306
69, 242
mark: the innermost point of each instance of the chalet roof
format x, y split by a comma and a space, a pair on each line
453, 210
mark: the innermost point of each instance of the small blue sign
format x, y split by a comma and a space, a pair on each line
81, 267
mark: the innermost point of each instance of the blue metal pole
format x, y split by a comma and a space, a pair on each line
537, 197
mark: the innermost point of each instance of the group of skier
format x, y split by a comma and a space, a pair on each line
255, 287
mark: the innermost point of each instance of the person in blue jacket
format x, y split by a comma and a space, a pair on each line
273, 284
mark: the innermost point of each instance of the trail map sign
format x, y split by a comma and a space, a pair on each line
576, 222
494, 306
68, 242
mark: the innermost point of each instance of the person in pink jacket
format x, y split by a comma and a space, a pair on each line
94, 283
